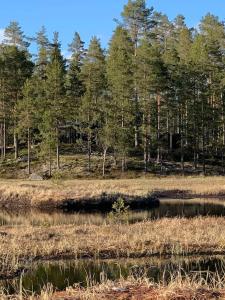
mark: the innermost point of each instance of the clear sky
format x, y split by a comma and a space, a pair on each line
93, 17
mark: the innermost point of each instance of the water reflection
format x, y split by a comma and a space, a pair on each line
167, 208
86, 272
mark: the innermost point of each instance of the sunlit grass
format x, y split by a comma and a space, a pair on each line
49, 193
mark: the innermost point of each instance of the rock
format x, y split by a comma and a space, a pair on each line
35, 177
22, 159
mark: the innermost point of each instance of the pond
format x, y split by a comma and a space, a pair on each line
167, 208
62, 274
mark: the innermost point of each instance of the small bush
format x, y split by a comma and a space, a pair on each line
119, 211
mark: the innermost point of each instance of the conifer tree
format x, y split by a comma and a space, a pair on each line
17, 67
93, 74
54, 105
27, 113
121, 85
150, 78
14, 36
74, 85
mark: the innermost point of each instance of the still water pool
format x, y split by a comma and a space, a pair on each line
62, 274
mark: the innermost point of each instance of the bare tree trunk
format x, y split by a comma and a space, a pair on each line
203, 139
89, 153
103, 164
50, 161
182, 153
4, 139
158, 125
57, 149
16, 145
123, 163
1, 140
28, 151
145, 151
222, 154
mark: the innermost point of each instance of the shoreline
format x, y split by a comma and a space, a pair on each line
48, 194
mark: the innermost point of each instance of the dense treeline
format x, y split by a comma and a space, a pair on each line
158, 91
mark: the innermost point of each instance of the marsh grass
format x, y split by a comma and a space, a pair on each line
177, 236
181, 286
28, 193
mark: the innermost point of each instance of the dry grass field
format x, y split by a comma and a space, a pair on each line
143, 290
34, 193
139, 289
160, 237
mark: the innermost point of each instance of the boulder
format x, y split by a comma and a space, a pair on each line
35, 176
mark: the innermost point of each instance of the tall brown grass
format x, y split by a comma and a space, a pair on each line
47, 192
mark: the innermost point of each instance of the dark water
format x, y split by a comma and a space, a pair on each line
167, 208
63, 274
188, 208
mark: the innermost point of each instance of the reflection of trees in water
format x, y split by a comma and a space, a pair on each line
168, 208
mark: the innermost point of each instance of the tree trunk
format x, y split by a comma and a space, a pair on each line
182, 154
1, 141
16, 145
222, 157
158, 125
89, 153
145, 152
50, 162
57, 149
28, 151
103, 164
4, 139
123, 163
203, 139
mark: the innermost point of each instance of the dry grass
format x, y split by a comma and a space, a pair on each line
159, 237
47, 192
142, 289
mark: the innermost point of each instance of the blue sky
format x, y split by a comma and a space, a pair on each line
93, 17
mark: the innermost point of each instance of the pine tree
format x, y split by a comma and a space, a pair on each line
17, 67
27, 114
150, 78
14, 36
121, 85
43, 54
74, 85
137, 20
54, 105
93, 74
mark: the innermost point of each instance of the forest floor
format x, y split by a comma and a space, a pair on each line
75, 166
